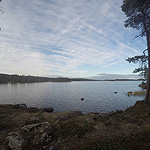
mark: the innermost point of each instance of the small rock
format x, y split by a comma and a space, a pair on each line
45, 138
58, 144
43, 141
19, 106
64, 147
82, 99
45, 147
48, 109
51, 148
15, 141
33, 120
130, 93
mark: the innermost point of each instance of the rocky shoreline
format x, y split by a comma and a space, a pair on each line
32, 109
23, 128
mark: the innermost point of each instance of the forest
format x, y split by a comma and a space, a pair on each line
6, 78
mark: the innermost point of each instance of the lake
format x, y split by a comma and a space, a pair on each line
98, 96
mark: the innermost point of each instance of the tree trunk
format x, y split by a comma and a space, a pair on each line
148, 78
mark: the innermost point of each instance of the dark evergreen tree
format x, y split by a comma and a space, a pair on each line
138, 14
142, 60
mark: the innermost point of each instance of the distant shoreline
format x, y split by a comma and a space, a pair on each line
6, 78
108, 80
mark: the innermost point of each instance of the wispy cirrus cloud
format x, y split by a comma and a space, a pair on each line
42, 37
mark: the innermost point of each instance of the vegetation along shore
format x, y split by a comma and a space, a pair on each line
23, 128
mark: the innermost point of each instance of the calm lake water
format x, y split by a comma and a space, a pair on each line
98, 96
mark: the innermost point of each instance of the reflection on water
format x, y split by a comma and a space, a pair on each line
102, 96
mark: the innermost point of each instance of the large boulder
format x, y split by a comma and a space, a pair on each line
19, 106
40, 135
33, 120
36, 128
42, 140
15, 141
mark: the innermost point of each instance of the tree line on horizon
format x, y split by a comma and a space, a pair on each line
6, 78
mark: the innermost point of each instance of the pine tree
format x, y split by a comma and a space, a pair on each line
138, 14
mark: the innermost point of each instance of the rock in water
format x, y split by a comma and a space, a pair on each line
130, 93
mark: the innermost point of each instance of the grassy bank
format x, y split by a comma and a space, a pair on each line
120, 130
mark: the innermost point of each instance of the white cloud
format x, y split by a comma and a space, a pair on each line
42, 37
104, 76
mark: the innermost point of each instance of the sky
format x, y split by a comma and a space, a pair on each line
71, 38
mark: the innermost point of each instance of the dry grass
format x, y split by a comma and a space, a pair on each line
139, 93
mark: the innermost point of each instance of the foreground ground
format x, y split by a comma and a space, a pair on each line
33, 129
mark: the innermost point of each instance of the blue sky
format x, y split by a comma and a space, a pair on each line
73, 38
